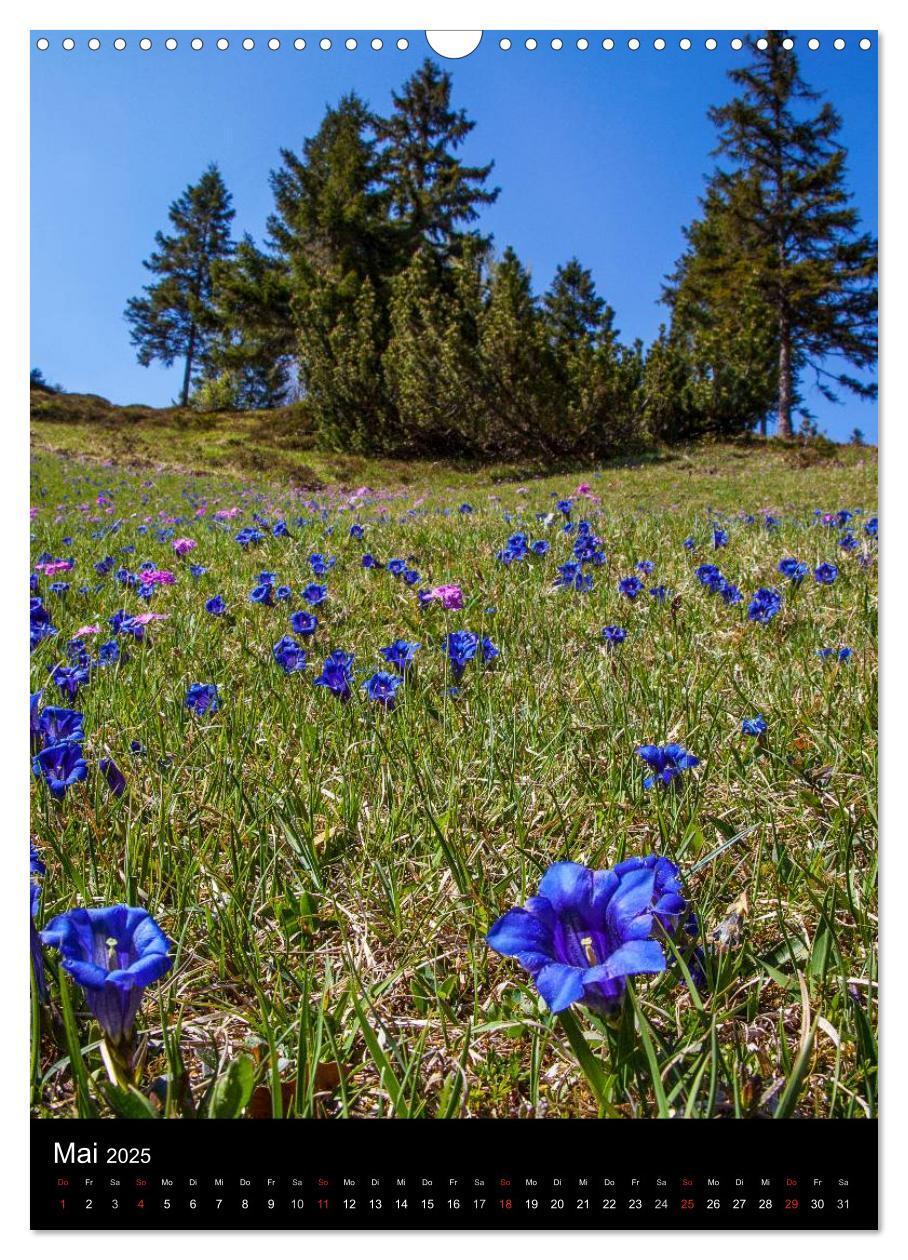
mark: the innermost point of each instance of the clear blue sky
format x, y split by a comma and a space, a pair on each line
599, 154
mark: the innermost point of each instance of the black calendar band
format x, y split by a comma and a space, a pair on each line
467, 1174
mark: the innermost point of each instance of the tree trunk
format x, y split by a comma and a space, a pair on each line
187, 373
785, 430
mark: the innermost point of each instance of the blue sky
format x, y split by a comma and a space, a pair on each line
599, 154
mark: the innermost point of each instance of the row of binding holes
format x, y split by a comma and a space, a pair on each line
531, 43
685, 44
197, 44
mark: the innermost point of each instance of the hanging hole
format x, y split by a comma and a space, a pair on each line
685, 44
659, 44
274, 44
299, 44
196, 44
223, 44
170, 44
145, 43
712, 44
453, 44
377, 44
119, 43
608, 44
583, 43
69, 44
403, 44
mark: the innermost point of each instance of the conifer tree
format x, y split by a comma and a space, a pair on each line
174, 319
433, 194
789, 239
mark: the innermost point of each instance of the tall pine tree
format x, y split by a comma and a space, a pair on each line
433, 194
174, 317
793, 229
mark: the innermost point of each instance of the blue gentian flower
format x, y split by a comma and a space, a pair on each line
720, 538
666, 761
396, 567
113, 775
279, 530
109, 652
61, 766
645, 566
203, 698
848, 542
314, 594
410, 577
289, 655
197, 570
840, 654
248, 537
263, 594
795, 571
356, 531
69, 678
571, 576
369, 561
630, 587
754, 725
461, 647
400, 654
34, 719
586, 931
825, 574
764, 605
465, 509
35, 868
871, 527
614, 635
216, 605
730, 593
488, 650
659, 593
114, 953
303, 622
382, 687
282, 593
540, 547
336, 675
690, 544
60, 726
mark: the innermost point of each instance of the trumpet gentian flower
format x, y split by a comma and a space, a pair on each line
754, 725
794, 570
840, 654
764, 605
400, 654
825, 574
586, 931
216, 605
303, 622
630, 587
289, 655
614, 635
202, 698
60, 765
113, 775
382, 687
114, 953
314, 594
337, 674
60, 726
461, 646
666, 761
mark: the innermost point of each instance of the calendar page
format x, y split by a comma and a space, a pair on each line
453, 626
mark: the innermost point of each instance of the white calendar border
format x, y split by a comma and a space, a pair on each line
166, 15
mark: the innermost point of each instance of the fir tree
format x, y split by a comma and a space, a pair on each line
174, 318
432, 193
791, 230
254, 343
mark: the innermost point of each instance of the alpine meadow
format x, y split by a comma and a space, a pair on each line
447, 707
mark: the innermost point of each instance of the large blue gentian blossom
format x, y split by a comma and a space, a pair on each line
203, 698
289, 655
666, 762
337, 674
60, 726
586, 931
114, 953
400, 654
61, 766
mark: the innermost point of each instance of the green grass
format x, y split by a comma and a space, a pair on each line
328, 872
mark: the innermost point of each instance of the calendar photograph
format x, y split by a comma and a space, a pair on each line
453, 582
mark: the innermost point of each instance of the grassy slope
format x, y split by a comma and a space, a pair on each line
302, 852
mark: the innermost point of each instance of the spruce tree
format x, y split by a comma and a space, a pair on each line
174, 318
254, 343
792, 228
432, 193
